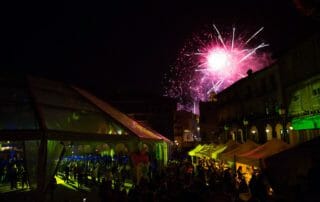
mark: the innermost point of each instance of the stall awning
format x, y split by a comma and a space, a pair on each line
256, 156
207, 150
194, 151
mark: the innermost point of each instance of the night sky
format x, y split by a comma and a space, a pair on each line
127, 46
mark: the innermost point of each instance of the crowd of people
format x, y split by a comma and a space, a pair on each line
90, 170
207, 180
13, 171
180, 180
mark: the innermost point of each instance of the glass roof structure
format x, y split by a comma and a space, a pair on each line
34, 107
48, 118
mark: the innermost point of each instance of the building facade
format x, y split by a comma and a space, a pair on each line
186, 130
271, 103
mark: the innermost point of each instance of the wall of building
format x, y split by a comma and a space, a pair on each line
290, 84
185, 128
305, 97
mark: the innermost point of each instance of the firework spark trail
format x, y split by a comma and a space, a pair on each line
214, 87
207, 64
233, 31
255, 34
219, 35
253, 51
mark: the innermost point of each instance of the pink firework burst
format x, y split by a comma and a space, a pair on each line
210, 63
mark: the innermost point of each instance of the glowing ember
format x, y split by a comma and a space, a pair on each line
209, 64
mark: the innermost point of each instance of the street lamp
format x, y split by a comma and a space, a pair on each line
282, 113
245, 123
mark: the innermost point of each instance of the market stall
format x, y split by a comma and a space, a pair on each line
229, 156
255, 159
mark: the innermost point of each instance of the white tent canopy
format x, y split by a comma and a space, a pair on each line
256, 156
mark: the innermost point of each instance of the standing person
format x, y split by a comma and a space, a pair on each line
75, 171
253, 185
80, 176
24, 178
3, 174
239, 173
13, 176
66, 173
103, 189
244, 193
51, 187
261, 189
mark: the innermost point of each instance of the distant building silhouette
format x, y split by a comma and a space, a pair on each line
152, 111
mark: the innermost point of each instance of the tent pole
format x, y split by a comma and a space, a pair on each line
234, 164
42, 165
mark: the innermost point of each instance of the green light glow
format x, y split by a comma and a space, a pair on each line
215, 154
309, 122
111, 152
162, 152
158, 151
61, 181
105, 153
195, 150
73, 184
207, 151
165, 153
